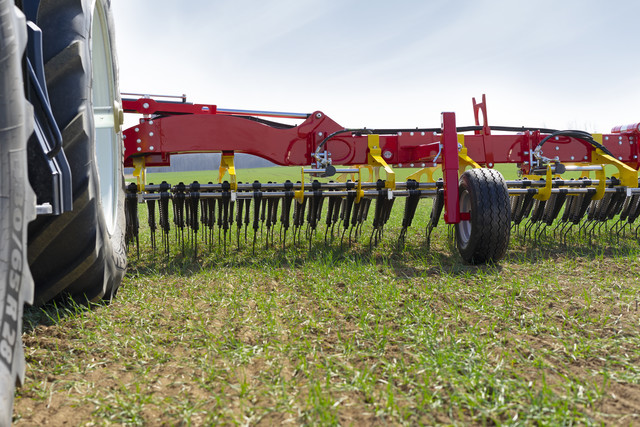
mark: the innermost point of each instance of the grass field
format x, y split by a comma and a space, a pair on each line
327, 334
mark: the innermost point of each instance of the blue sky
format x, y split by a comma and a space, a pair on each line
561, 64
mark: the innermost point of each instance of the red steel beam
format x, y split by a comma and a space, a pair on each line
174, 128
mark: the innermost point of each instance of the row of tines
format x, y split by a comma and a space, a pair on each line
254, 211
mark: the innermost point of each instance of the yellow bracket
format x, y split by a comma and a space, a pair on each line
463, 158
299, 194
227, 166
602, 178
374, 158
140, 172
545, 192
417, 176
372, 171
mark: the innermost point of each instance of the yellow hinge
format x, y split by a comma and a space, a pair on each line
544, 193
227, 166
140, 172
463, 158
429, 171
374, 158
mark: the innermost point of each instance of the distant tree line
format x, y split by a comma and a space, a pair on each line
207, 161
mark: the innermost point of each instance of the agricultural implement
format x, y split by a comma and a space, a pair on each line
66, 214
341, 183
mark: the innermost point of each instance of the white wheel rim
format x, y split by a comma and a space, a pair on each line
104, 96
464, 227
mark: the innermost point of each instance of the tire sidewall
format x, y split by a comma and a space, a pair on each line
17, 204
116, 251
467, 248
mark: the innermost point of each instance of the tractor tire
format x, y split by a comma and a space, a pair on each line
82, 253
483, 238
17, 203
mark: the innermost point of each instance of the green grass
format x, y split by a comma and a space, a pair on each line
351, 335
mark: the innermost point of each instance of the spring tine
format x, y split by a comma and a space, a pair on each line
617, 203
436, 211
274, 217
219, 222
247, 217
301, 217
616, 227
271, 204
378, 215
538, 210
285, 213
239, 218
584, 208
336, 213
390, 203
347, 206
232, 205
560, 224
204, 213
354, 219
151, 220
567, 229
257, 197
296, 222
194, 204
164, 214
603, 207
178, 209
558, 202
131, 216
227, 214
363, 214
411, 204
626, 208
516, 204
315, 208
187, 212
211, 219
263, 210
329, 221
570, 206
634, 209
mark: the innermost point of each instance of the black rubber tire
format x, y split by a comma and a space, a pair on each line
17, 203
80, 253
483, 238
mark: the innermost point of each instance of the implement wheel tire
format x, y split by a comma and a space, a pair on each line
82, 253
17, 203
483, 238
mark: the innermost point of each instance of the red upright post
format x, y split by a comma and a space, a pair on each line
450, 168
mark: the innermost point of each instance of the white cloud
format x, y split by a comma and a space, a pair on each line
380, 63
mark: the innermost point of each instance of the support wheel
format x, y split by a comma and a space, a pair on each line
484, 237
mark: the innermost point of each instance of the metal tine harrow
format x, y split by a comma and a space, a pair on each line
557, 196
265, 207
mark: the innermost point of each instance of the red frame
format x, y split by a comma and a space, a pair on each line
170, 128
